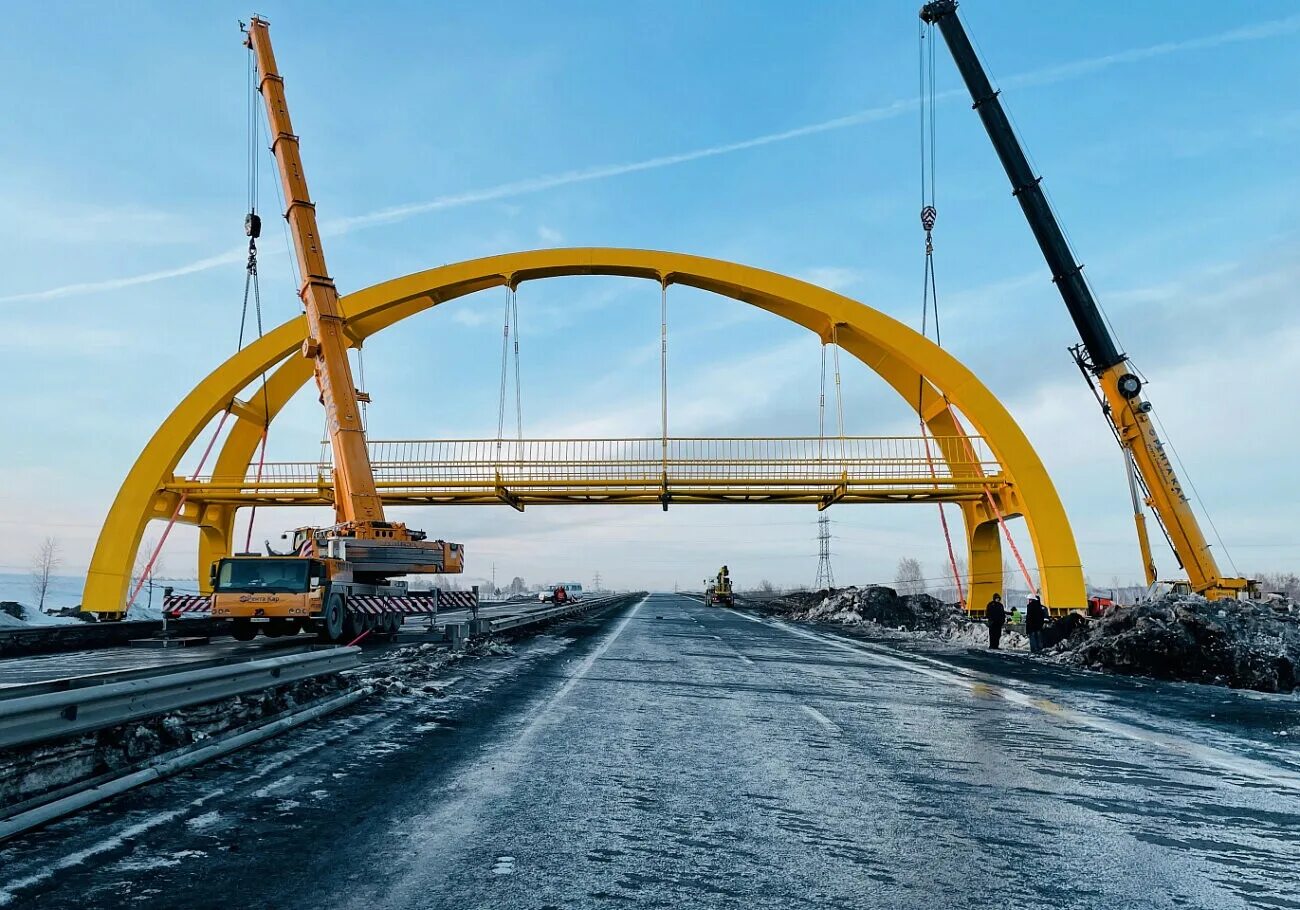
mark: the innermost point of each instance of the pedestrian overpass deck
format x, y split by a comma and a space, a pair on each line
647, 470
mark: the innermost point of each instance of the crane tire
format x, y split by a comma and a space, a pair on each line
353, 625
331, 618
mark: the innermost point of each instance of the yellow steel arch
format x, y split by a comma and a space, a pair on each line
905, 359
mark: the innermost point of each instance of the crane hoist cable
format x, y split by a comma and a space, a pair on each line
510, 347
929, 291
252, 289
663, 388
253, 230
930, 294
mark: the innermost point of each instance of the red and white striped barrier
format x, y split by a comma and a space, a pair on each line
457, 600
365, 603
177, 604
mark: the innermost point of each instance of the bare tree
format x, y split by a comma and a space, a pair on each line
44, 566
141, 567
950, 591
1284, 583
909, 579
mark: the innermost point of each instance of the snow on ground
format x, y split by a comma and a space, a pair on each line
31, 617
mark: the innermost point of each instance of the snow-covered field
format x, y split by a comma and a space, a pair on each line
65, 591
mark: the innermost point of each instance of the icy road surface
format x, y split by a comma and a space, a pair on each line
676, 755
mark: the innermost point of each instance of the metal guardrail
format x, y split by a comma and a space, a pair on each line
533, 617
28, 716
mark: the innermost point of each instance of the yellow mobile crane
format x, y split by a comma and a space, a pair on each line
339, 579
1100, 360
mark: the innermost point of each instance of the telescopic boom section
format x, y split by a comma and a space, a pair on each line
355, 497
1125, 404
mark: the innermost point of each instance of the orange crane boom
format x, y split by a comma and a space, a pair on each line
355, 496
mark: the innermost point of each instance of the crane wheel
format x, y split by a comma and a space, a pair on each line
353, 625
331, 618
242, 630
393, 623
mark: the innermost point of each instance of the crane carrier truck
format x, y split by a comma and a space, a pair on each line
344, 580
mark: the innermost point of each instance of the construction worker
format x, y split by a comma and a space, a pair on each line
1035, 620
996, 615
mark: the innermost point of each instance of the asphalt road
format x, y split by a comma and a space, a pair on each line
675, 755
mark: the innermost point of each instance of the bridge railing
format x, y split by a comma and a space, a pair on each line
539, 464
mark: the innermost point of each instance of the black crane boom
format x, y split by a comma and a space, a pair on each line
1066, 272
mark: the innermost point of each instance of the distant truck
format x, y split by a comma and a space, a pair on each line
720, 593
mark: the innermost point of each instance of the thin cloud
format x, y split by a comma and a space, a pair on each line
1253, 32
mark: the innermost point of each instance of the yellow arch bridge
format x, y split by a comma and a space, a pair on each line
991, 473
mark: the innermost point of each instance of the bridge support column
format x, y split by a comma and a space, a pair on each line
216, 533
984, 556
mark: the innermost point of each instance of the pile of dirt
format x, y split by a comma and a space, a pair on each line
886, 607
1240, 644
889, 614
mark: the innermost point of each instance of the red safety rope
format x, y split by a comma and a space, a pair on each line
357, 640
988, 495
180, 504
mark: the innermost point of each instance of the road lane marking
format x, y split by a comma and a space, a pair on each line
821, 719
982, 684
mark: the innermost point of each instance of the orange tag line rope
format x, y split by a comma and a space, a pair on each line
988, 495
180, 504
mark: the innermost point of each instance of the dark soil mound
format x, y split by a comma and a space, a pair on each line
1240, 644
878, 604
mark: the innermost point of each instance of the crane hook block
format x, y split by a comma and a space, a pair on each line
253, 225
935, 10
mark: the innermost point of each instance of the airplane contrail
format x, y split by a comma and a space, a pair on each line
1063, 72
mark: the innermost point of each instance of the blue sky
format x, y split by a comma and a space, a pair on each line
432, 133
